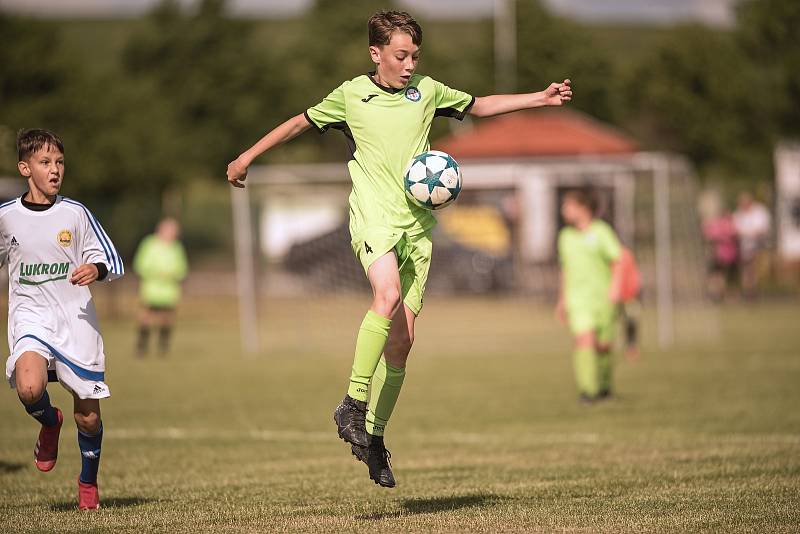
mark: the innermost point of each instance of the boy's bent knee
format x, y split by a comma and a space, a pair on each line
88, 423
30, 391
387, 301
30, 377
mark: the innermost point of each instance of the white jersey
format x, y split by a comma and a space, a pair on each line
42, 249
752, 226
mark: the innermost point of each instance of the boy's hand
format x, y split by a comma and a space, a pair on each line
237, 173
84, 275
558, 93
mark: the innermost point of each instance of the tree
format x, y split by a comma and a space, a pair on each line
551, 49
32, 75
116, 135
768, 33
221, 91
697, 94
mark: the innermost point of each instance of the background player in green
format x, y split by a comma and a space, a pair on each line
160, 262
589, 252
386, 116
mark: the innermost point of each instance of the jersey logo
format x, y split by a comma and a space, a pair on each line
56, 271
65, 238
14, 242
97, 389
369, 97
367, 248
413, 94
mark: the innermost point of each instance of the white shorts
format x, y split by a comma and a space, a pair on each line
85, 384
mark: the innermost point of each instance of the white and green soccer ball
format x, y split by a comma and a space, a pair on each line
433, 180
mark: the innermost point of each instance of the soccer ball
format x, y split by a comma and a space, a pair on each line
433, 180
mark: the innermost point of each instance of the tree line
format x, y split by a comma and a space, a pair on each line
191, 87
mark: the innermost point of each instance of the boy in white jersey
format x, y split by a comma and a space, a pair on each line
386, 116
55, 248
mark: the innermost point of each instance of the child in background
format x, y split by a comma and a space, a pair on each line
160, 262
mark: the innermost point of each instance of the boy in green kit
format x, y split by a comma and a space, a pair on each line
386, 116
589, 252
160, 262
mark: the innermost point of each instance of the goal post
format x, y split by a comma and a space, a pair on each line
292, 242
245, 270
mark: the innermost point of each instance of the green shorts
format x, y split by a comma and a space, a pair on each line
413, 257
601, 320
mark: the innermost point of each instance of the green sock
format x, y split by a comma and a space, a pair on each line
604, 367
386, 384
586, 371
372, 337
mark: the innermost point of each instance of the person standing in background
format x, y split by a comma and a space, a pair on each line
160, 262
590, 291
720, 232
753, 222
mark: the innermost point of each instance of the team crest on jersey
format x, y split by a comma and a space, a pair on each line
65, 238
413, 94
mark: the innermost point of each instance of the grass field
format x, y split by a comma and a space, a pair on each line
487, 436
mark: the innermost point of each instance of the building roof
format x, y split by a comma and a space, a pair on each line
537, 133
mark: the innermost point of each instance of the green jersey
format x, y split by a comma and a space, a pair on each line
385, 129
162, 266
586, 259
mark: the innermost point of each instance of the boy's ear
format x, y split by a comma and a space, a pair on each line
375, 54
24, 169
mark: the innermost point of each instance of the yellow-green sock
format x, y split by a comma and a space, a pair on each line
372, 337
386, 384
605, 367
586, 371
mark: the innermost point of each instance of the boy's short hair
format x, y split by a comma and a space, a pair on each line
583, 196
383, 23
33, 139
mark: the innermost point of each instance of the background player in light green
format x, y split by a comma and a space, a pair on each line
386, 116
160, 262
589, 252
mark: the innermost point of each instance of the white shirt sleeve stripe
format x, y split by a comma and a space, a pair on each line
108, 247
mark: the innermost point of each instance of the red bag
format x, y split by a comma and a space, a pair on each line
631, 279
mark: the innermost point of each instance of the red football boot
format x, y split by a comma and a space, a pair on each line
88, 496
46, 452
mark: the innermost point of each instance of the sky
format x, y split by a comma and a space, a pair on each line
714, 12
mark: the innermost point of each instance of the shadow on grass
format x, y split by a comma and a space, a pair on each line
111, 502
8, 467
433, 505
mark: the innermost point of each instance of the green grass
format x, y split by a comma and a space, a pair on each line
487, 436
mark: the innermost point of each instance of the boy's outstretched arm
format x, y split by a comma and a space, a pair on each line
555, 95
237, 169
